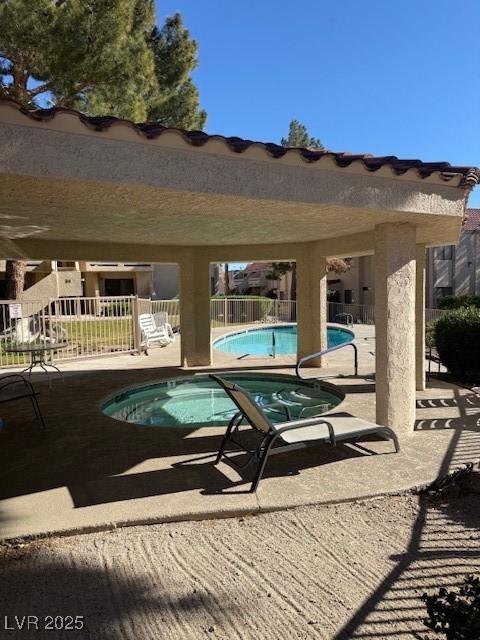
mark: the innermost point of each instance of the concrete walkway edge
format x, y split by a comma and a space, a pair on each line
237, 512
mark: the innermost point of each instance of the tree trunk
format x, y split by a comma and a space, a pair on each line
293, 285
226, 281
15, 278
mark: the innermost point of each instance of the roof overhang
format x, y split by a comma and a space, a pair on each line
65, 183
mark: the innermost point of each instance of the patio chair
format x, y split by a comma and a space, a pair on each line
153, 334
161, 320
290, 435
16, 387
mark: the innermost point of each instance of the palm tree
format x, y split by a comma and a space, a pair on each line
226, 280
15, 278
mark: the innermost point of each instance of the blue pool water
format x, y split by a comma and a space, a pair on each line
198, 401
259, 342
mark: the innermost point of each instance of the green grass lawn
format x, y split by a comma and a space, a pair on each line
105, 335
88, 337
85, 337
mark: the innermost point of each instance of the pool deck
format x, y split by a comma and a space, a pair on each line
88, 472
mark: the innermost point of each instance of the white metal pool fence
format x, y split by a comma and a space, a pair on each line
91, 326
98, 326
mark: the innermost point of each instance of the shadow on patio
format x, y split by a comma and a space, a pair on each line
444, 542
109, 603
203, 476
102, 460
88, 469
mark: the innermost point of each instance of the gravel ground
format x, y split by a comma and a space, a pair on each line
353, 570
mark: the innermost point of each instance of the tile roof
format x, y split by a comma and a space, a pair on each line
258, 266
151, 130
471, 221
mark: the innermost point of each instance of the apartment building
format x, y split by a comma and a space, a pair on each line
117, 279
254, 280
455, 269
451, 269
56, 278
355, 286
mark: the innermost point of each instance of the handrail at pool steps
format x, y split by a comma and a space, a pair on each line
324, 352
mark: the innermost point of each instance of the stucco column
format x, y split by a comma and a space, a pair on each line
92, 286
195, 310
395, 254
311, 304
420, 318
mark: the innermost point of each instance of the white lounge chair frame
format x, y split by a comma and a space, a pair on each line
290, 435
153, 334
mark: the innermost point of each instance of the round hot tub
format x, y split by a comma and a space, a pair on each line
198, 401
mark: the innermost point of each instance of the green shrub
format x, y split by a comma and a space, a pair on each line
457, 338
456, 614
430, 333
457, 302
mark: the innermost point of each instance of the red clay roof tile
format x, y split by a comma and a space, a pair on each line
470, 175
471, 221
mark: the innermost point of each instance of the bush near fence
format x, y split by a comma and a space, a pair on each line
457, 302
457, 338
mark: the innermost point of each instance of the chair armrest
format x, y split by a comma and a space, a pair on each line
169, 331
279, 405
13, 378
311, 422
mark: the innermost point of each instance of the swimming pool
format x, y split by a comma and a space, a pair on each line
260, 342
198, 401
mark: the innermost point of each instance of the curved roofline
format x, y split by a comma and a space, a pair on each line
469, 176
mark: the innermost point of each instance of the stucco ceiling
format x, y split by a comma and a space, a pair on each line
52, 209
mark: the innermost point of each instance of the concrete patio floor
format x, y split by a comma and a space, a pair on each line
89, 472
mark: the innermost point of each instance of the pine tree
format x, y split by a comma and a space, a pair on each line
69, 53
298, 136
176, 103
104, 57
226, 280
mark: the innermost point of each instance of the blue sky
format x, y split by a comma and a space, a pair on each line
388, 77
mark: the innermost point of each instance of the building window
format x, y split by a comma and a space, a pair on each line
348, 296
443, 253
119, 287
65, 264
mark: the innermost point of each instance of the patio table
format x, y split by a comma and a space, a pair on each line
37, 352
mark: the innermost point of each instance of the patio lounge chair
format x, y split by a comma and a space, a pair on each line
154, 334
290, 435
